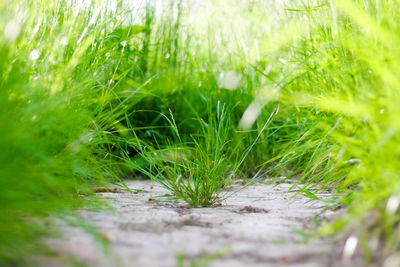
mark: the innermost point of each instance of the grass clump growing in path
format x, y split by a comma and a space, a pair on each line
198, 170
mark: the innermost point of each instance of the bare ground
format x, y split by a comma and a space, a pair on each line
260, 225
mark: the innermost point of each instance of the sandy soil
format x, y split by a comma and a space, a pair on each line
255, 227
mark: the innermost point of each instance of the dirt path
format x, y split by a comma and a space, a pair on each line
255, 227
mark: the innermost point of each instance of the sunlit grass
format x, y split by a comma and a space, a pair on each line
194, 96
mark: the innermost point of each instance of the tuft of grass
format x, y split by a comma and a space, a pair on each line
196, 170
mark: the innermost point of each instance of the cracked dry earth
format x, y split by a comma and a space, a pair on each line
254, 227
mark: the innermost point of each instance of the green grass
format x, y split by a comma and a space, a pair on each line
92, 94
195, 171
